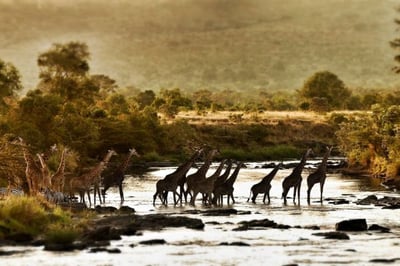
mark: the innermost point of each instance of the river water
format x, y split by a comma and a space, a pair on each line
265, 247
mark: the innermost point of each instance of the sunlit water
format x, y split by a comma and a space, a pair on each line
267, 246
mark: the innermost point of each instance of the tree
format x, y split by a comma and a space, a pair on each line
10, 82
327, 85
64, 70
145, 98
396, 45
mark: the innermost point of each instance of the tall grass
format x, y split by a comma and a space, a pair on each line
29, 216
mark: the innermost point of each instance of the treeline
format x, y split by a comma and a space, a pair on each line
90, 114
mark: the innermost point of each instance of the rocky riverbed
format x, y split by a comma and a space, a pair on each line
356, 224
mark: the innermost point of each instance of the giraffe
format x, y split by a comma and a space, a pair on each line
264, 186
318, 176
222, 178
46, 183
82, 184
294, 179
117, 177
32, 170
206, 186
227, 187
200, 174
173, 180
97, 179
58, 178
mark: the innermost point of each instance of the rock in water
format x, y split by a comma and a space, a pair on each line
352, 225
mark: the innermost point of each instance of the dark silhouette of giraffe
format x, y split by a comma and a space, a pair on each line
221, 180
173, 180
83, 183
116, 178
264, 186
294, 179
32, 171
318, 176
58, 178
193, 179
206, 186
227, 187
97, 179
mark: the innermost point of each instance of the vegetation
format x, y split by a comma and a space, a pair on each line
25, 218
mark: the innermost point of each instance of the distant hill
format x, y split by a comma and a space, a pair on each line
193, 44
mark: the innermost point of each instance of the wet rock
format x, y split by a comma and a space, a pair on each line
19, 237
102, 233
352, 225
392, 207
237, 243
65, 246
376, 227
10, 252
153, 242
105, 209
333, 235
219, 212
369, 200
257, 224
312, 227
384, 260
126, 209
339, 202
159, 221
111, 250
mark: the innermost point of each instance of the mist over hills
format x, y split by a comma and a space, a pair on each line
214, 44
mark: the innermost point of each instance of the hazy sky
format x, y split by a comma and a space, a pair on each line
240, 44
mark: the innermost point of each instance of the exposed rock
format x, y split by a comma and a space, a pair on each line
238, 243
257, 224
19, 237
371, 199
219, 212
65, 246
312, 227
153, 242
111, 250
333, 235
102, 233
352, 225
106, 209
384, 260
376, 227
10, 252
126, 210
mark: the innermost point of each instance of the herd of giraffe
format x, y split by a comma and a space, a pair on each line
212, 188
54, 185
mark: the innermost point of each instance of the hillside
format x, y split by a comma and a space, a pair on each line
190, 44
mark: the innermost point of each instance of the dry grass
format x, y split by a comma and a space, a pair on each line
268, 117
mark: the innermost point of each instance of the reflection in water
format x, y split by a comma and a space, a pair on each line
267, 246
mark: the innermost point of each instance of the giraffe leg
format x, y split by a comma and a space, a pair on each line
310, 186
121, 193
294, 193
322, 190
298, 193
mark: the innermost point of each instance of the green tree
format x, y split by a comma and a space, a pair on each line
326, 85
170, 101
396, 45
145, 98
64, 70
10, 82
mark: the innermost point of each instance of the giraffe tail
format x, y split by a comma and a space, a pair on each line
249, 196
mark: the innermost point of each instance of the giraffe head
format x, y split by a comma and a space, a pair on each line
132, 151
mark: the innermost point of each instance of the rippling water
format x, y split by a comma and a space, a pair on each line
267, 246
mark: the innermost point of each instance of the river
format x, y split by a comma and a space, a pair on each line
263, 247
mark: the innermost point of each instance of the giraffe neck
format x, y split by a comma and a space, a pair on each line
125, 163
271, 175
219, 169
299, 168
108, 157
61, 166
225, 175
322, 166
234, 175
30, 162
187, 165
